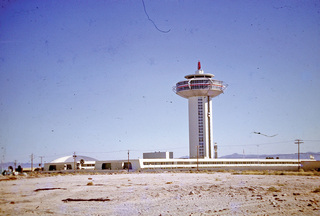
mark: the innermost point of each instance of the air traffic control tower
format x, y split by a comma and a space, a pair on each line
199, 89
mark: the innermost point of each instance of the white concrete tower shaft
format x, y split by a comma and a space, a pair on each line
199, 89
200, 126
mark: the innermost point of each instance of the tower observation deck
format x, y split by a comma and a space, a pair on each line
199, 89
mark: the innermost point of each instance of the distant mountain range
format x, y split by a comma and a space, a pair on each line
5, 166
305, 155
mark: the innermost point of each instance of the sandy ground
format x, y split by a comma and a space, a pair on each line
161, 194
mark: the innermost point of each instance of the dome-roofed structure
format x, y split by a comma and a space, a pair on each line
70, 159
68, 163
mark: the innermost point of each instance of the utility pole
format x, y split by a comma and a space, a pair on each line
258, 153
74, 161
298, 142
32, 162
197, 158
215, 151
41, 160
128, 160
15, 165
3, 157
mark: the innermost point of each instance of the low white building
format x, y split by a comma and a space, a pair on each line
201, 164
68, 163
156, 163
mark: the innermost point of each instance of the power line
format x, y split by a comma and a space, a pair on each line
134, 150
255, 144
272, 143
168, 149
105, 152
312, 140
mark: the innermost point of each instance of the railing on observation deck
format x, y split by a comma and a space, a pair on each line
207, 84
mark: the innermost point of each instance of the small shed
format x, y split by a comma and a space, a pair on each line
133, 165
158, 155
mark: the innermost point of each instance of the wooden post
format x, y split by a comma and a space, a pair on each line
74, 161
297, 141
32, 162
128, 161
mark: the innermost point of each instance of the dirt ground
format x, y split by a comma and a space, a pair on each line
161, 194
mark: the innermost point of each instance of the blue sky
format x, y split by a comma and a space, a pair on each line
96, 77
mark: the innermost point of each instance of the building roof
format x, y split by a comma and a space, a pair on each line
70, 159
199, 76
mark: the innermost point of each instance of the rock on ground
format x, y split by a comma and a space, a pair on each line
161, 194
